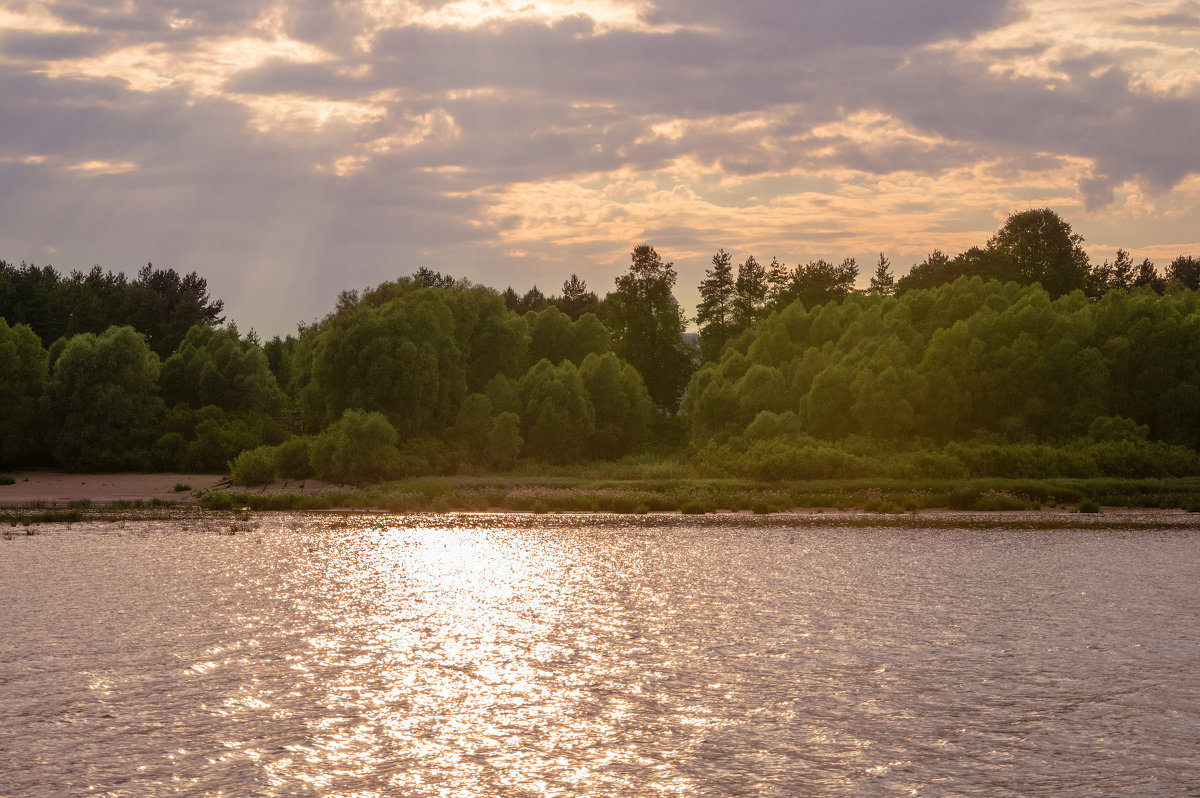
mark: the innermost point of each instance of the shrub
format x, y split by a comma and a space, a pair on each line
358, 447
292, 459
254, 467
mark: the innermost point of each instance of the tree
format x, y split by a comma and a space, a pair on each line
714, 313
883, 283
1186, 270
1123, 272
1043, 250
750, 299
164, 306
819, 282
533, 299
358, 447
23, 375
103, 401
557, 419
1148, 277
933, 271
577, 299
647, 325
778, 278
622, 407
218, 367
432, 279
403, 358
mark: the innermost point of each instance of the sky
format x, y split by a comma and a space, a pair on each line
290, 150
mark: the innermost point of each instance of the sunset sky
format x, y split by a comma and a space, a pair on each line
286, 151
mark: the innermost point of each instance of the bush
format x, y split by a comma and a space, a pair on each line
254, 467
359, 447
292, 459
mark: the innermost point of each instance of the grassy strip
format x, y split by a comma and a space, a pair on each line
555, 493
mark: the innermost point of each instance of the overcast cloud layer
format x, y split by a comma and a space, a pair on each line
287, 151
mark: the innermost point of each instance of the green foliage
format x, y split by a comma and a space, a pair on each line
504, 440
23, 377
557, 419
969, 360
359, 447
159, 303
218, 367
292, 458
622, 408
474, 423
401, 358
715, 312
254, 466
555, 337
647, 325
103, 401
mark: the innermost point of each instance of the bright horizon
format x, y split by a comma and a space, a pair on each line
287, 151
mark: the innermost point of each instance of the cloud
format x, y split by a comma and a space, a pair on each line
294, 149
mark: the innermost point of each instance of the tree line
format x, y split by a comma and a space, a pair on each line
964, 365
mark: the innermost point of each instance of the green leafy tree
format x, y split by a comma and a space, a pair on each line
1043, 249
103, 401
622, 407
557, 419
402, 358
504, 440
23, 376
219, 367
254, 467
647, 325
474, 423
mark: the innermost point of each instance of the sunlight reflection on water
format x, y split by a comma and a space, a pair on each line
597, 655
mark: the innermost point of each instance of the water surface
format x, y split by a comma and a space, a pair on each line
598, 655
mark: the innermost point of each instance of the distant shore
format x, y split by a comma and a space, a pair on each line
593, 493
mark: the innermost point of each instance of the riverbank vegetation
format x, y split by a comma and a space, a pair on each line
1014, 361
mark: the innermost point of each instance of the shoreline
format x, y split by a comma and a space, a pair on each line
47, 489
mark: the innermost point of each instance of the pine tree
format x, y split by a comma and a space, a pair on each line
883, 282
576, 298
751, 296
714, 314
778, 280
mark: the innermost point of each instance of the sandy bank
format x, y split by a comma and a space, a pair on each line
58, 488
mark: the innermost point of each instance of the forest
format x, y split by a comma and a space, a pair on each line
1016, 358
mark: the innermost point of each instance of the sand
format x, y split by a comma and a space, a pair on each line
58, 488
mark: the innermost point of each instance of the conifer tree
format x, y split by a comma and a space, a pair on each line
751, 296
883, 282
714, 314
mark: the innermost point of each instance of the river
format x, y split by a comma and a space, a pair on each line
535, 655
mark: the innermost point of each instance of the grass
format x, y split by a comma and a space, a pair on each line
5, 479
599, 490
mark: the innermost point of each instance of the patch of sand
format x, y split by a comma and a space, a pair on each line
58, 488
